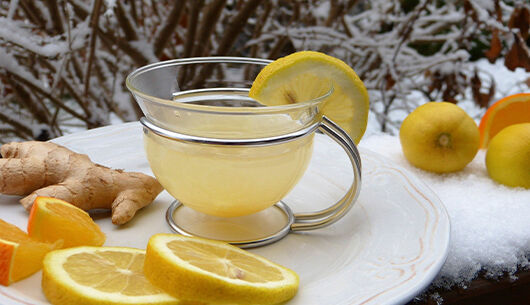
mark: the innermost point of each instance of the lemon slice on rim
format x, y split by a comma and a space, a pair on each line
192, 268
306, 75
99, 275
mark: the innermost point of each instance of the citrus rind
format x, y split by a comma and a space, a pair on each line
306, 75
513, 109
186, 281
61, 288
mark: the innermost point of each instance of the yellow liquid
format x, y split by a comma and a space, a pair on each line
228, 181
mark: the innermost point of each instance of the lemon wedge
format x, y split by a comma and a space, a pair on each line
99, 275
306, 75
191, 268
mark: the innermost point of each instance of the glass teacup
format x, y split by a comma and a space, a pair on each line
221, 153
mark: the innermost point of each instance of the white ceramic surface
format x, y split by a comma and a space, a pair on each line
385, 251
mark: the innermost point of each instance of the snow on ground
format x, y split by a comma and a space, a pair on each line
489, 222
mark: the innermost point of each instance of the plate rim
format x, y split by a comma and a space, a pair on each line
400, 298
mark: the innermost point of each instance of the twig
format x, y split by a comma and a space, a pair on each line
80, 11
138, 58
169, 27
92, 45
235, 26
155, 8
133, 10
19, 128
124, 22
53, 99
24, 97
210, 16
404, 33
195, 8
33, 13
258, 29
13, 131
188, 71
335, 11
55, 16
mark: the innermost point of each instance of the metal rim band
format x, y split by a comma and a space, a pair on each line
253, 243
173, 135
310, 220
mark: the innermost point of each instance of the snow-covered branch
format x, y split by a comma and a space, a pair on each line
64, 63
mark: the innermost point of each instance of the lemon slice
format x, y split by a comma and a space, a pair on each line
212, 271
99, 275
306, 75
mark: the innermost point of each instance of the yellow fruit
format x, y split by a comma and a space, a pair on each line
53, 219
212, 271
99, 275
508, 156
439, 137
306, 75
20, 256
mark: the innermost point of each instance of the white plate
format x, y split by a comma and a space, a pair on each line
386, 250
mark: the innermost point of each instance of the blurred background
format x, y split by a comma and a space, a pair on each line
63, 63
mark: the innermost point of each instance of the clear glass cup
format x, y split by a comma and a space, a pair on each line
220, 152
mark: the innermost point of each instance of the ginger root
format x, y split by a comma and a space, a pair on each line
34, 169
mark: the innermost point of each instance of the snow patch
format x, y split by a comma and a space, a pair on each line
489, 222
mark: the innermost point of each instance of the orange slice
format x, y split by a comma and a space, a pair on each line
20, 256
52, 219
513, 109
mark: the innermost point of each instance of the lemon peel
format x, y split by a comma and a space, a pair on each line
192, 268
306, 75
99, 275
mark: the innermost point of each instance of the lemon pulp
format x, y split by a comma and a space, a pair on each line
99, 275
212, 271
307, 75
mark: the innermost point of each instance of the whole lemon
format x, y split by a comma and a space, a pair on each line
508, 156
439, 137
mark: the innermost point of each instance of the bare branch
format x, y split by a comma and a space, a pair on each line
92, 46
33, 13
125, 24
195, 8
53, 99
258, 29
133, 10
55, 16
19, 129
124, 45
38, 110
236, 25
170, 24
210, 16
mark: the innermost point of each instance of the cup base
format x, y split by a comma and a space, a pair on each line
258, 229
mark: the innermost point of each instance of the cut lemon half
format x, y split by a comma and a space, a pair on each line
191, 268
306, 75
52, 219
99, 275
20, 256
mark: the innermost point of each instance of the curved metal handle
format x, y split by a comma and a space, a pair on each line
325, 217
